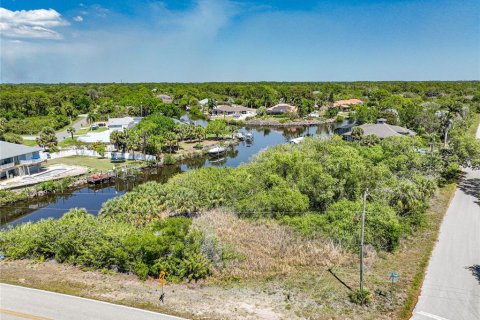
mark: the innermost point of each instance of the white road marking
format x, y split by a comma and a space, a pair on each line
426, 314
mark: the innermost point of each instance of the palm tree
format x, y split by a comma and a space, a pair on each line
171, 139
357, 133
92, 117
116, 138
71, 130
199, 132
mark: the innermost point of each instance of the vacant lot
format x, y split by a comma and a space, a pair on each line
277, 275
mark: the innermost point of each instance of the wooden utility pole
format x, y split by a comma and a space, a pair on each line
361, 237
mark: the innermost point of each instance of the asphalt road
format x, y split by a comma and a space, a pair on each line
451, 289
26, 303
77, 125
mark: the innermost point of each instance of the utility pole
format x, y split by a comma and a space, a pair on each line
361, 238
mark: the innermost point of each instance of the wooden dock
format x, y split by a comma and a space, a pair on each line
101, 177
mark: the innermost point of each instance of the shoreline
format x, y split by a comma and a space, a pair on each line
294, 123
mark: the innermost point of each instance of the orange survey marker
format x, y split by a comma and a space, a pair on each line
161, 278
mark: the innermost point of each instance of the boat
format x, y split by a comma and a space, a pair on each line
297, 140
240, 136
249, 137
217, 150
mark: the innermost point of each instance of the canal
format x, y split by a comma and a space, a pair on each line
92, 197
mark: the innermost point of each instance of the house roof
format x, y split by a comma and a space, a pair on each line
120, 121
282, 107
164, 97
203, 101
233, 108
9, 150
383, 130
347, 102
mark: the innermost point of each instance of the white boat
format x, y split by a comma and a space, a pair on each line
217, 150
297, 140
240, 136
249, 136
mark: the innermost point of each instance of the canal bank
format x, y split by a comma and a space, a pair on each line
92, 197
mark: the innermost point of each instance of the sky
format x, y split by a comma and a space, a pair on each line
225, 40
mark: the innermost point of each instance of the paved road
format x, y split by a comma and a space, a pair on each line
451, 289
77, 125
26, 303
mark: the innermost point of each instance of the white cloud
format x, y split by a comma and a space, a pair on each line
35, 24
78, 18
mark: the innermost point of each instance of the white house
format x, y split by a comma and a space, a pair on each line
120, 124
18, 160
203, 102
233, 110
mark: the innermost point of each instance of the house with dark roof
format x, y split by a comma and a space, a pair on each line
381, 129
18, 160
281, 108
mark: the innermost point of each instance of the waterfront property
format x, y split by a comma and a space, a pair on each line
281, 108
18, 160
347, 104
120, 124
381, 129
233, 111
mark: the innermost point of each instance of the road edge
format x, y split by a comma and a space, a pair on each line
415, 290
416, 287
92, 300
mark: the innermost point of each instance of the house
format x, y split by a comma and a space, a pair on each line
18, 160
203, 102
121, 124
233, 110
347, 104
381, 129
281, 108
165, 98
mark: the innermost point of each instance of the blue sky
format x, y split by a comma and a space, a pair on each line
226, 40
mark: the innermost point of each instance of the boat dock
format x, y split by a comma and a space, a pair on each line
101, 177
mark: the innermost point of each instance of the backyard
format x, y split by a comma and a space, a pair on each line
90, 162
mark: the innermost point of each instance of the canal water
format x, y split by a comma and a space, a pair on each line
92, 197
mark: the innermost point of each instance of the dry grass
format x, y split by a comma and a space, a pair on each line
267, 248
278, 275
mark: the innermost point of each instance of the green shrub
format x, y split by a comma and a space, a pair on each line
361, 297
168, 159
8, 196
82, 239
342, 223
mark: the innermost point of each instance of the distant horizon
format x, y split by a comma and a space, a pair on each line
232, 82
192, 41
